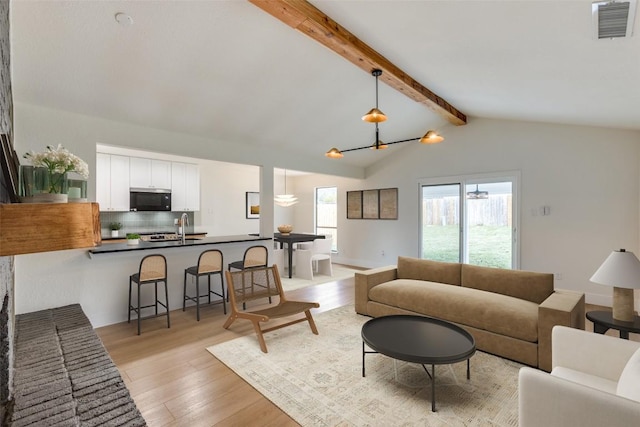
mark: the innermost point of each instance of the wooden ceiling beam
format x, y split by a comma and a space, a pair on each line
303, 16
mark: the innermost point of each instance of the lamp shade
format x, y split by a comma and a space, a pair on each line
431, 137
621, 269
374, 116
285, 200
334, 153
379, 146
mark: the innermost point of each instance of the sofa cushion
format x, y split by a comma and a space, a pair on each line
629, 382
431, 271
488, 311
526, 285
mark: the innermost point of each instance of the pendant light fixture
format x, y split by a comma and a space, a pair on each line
285, 200
376, 116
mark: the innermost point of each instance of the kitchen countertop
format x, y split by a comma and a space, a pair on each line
119, 239
123, 247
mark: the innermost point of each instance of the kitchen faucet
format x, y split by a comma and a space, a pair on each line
184, 221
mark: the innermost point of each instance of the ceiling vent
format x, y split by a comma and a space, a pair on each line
612, 19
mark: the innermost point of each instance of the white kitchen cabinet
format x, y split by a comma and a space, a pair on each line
185, 187
112, 182
149, 173
193, 187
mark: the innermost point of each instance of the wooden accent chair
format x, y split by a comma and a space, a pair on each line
256, 283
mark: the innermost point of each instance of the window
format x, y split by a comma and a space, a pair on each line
470, 219
327, 213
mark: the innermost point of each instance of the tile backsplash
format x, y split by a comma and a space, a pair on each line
143, 222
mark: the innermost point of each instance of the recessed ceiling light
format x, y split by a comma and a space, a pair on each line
124, 19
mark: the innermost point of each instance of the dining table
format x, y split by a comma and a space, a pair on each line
289, 239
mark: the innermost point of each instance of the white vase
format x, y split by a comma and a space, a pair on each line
114, 233
133, 241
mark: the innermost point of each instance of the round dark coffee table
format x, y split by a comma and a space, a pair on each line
418, 339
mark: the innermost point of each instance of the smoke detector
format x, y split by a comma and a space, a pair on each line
612, 19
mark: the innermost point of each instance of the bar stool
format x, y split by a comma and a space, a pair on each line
254, 257
153, 269
209, 262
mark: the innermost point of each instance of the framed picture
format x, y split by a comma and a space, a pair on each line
354, 204
389, 203
10, 166
373, 204
253, 205
370, 204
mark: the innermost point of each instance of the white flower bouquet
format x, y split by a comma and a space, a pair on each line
58, 161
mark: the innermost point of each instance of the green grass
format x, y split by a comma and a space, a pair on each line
489, 246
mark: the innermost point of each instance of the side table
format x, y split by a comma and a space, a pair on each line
603, 321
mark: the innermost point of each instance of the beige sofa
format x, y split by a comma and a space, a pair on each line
510, 313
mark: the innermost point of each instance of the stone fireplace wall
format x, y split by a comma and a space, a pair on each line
6, 263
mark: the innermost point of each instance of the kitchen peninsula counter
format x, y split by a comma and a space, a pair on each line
98, 278
173, 244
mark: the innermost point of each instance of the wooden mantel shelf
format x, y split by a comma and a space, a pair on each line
27, 228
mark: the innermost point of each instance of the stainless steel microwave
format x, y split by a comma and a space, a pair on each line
149, 199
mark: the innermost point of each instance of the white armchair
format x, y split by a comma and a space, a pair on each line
595, 381
319, 254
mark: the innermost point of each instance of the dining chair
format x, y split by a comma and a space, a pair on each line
268, 281
317, 258
153, 269
209, 262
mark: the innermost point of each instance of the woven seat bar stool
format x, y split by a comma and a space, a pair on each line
153, 269
209, 262
254, 257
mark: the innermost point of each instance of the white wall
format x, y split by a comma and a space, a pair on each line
223, 188
590, 177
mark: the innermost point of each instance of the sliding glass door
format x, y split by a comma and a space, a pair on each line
441, 222
470, 219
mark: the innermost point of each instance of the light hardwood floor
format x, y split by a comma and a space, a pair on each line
175, 381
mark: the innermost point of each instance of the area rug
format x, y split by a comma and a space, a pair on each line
340, 272
317, 380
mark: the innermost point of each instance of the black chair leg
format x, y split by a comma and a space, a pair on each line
166, 300
184, 292
198, 297
224, 304
129, 311
155, 284
209, 287
138, 308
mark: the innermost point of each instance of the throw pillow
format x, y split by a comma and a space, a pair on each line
629, 382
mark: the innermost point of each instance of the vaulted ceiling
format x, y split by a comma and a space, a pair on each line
227, 70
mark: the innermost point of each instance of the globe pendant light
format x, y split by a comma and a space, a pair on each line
285, 200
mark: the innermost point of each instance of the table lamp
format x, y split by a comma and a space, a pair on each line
622, 271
